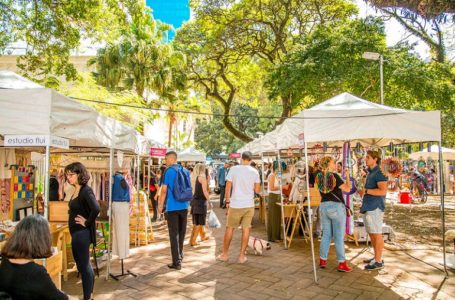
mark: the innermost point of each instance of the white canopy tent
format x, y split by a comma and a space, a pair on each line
349, 118
44, 111
191, 155
447, 154
27, 108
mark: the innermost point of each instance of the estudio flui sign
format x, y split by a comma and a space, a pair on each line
36, 141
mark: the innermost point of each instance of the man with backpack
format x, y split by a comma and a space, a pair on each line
177, 193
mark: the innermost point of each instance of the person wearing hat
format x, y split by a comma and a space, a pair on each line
243, 180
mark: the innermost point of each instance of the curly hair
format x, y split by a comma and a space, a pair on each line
31, 239
82, 175
324, 162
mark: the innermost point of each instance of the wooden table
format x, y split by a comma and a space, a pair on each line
294, 211
262, 208
60, 238
53, 267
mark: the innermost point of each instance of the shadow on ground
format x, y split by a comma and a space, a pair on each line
279, 274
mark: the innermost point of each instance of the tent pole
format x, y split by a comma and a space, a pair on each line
111, 158
263, 187
441, 191
138, 166
148, 177
46, 182
280, 181
310, 212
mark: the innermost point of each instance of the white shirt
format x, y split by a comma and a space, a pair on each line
276, 184
243, 179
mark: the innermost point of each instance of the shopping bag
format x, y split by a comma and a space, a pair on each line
213, 221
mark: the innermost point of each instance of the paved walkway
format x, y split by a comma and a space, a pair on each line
279, 274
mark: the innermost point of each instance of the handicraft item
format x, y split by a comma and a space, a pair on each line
347, 162
391, 166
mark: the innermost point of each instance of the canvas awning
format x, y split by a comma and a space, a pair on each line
349, 118
191, 154
447, 154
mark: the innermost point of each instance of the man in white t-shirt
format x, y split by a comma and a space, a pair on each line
244, 181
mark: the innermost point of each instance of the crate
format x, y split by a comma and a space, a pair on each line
58, 211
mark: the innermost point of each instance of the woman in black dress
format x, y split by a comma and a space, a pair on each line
199, 203
20, 276
83, 210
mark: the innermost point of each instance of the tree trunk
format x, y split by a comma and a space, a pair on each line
286, 113
426, 8
237, 133
171, 122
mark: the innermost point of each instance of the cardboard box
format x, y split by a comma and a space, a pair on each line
58, 211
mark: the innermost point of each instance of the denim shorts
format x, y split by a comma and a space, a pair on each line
373, 221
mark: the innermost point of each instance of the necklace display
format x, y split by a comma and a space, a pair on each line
326, 182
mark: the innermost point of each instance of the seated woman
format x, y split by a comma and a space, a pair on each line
20, 277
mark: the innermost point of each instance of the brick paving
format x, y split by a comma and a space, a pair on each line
279, 274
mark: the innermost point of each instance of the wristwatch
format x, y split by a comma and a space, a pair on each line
366, 191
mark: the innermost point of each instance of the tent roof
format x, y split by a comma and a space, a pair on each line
29, 108
11, 80
447, 153
190, 154
349, 118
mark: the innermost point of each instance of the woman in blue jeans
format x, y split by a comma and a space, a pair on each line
332, 211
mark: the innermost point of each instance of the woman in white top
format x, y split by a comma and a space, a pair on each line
274, 210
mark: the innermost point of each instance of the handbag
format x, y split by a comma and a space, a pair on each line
287, 191
213, 221
217, 190
348, 209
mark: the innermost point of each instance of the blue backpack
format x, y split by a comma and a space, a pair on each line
182, 189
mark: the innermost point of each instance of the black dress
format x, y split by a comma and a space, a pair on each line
199, 205
27, 281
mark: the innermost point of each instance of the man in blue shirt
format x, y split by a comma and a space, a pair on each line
175, 210
221, 178
373, 206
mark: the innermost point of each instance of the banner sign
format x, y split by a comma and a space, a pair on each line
158, 152
234, 155
36, 141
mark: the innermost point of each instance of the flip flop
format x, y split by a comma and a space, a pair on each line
242, 262
220, 258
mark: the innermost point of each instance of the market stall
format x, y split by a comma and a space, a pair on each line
191, 155
33, 118
349, 118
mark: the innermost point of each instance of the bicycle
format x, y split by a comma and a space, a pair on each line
419, 189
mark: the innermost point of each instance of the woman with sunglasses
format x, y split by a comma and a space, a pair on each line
83, 210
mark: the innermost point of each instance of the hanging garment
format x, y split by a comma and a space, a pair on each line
120, 189
121, 229
94, 184
106, 187
61, 184
5, 196
7, 158
53, 189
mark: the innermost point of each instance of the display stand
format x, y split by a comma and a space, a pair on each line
141, 232
22, 191
128, 272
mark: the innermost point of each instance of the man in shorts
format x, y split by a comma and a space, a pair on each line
244, 181
373, 206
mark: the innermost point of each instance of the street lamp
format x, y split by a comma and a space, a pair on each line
377, 56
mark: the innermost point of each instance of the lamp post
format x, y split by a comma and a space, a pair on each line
377, 56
